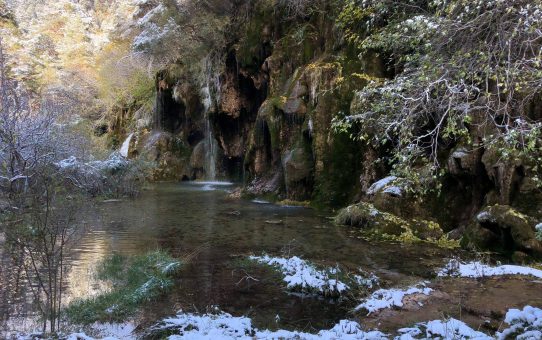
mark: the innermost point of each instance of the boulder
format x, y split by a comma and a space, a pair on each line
197, 159
504, 228
366, 216
169, 154
298, 172
462, 161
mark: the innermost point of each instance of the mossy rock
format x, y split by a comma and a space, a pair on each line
502, 228
364, 215
169, 153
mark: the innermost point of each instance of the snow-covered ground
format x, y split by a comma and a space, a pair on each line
441, 329
225, 326
302, 275
519, 324
478, 269
388, 298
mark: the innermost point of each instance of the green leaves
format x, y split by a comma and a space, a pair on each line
463, 70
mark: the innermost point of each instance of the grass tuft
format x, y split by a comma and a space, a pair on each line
135, 281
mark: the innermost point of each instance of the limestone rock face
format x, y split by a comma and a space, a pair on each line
169, 154
198, 159
298, 171
463, 161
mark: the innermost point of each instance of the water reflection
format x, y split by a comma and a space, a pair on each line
199, 221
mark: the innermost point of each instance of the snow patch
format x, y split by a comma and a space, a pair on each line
226, 326
438, 329
524, 324
220, 326
484, 216
478, 269
394, 191
67, 163
388, 298
299, 274
114, 162
381, 184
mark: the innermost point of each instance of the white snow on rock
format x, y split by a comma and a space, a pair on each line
524, 324
388, 298
225, 326
478, 269
368, 281
394, 191
158, 10
114, 162
538, 227
67, 163
484, 216
299, 273
381, 184
438, 329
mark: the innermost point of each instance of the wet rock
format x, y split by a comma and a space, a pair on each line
236, 194
270, 184
366, 216
169, 154
298, 170
463, 161
4, 206
506, 175
520, 257
504, 228
295, 106
197, 160
391, 194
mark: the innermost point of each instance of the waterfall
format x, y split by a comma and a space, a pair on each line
125, 148
210, 95
210, 151
210, 144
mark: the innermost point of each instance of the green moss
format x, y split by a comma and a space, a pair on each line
249, 47
338, 184
292, 203
385, 226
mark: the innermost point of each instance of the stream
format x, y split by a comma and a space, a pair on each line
200, 219
199, 222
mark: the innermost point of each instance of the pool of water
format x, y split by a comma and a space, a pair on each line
200, 222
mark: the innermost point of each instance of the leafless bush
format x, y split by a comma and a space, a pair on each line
41, 189
41, 235
297, 8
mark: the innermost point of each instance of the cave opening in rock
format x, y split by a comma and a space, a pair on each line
170, 114
506, 242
